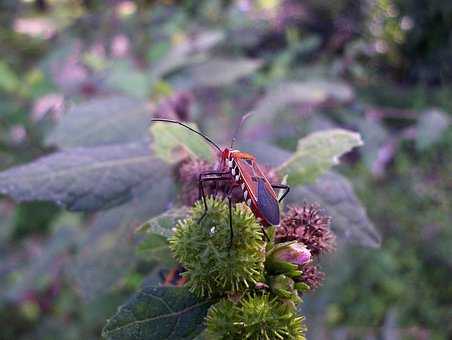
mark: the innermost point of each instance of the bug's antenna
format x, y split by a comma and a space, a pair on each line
187, 127
237, 130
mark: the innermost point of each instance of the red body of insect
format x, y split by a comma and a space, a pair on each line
257, 191
242, 171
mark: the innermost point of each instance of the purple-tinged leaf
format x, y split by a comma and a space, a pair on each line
309, 92
156, 248
185, 52
84, 179
221, 72
334, 193
125, 77
266, 154
110, 120
107, 252
164, 224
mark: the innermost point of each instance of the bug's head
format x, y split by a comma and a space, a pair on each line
225, 154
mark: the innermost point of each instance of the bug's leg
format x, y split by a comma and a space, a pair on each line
219, 176
265, 234
229, 195
215, 173
284, 187
231, 235
202, 196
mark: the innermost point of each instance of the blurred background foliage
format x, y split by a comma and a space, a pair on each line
380, 67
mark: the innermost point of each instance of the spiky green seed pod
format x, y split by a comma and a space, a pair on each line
284, 287
214, 268
254, 317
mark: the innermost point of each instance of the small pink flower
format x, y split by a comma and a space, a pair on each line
120, 46
295, 253
287, 258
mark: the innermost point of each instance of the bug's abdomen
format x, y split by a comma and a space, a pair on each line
267, 204
256, 190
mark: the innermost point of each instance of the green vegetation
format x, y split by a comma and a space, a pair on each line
80, 81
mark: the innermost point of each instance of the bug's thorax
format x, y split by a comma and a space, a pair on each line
257, 192
230, 161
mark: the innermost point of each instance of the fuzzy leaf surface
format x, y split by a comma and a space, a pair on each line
84, 179
335, 194
171, 138
163, 224
266, 154
186, 52
124, 76
158, 313
317, 153
110, 120
107, 251
221, 71
287, 94
155, 248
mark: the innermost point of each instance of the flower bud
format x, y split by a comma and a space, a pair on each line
285, 258
295, 253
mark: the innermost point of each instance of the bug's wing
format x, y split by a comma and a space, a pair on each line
247, 174
260, 190
267, 202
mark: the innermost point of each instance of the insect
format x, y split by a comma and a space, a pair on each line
240, 171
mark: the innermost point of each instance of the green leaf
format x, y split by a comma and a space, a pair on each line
130, 80
170, 138
266, 153
335, 195
163, 224
158, 313
109, 120
158, 229
155, 248
84, 179
107, 252
221, 72
317, 153
284, 94
8, 79
185, 52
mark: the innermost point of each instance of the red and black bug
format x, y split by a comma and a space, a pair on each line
240, 171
